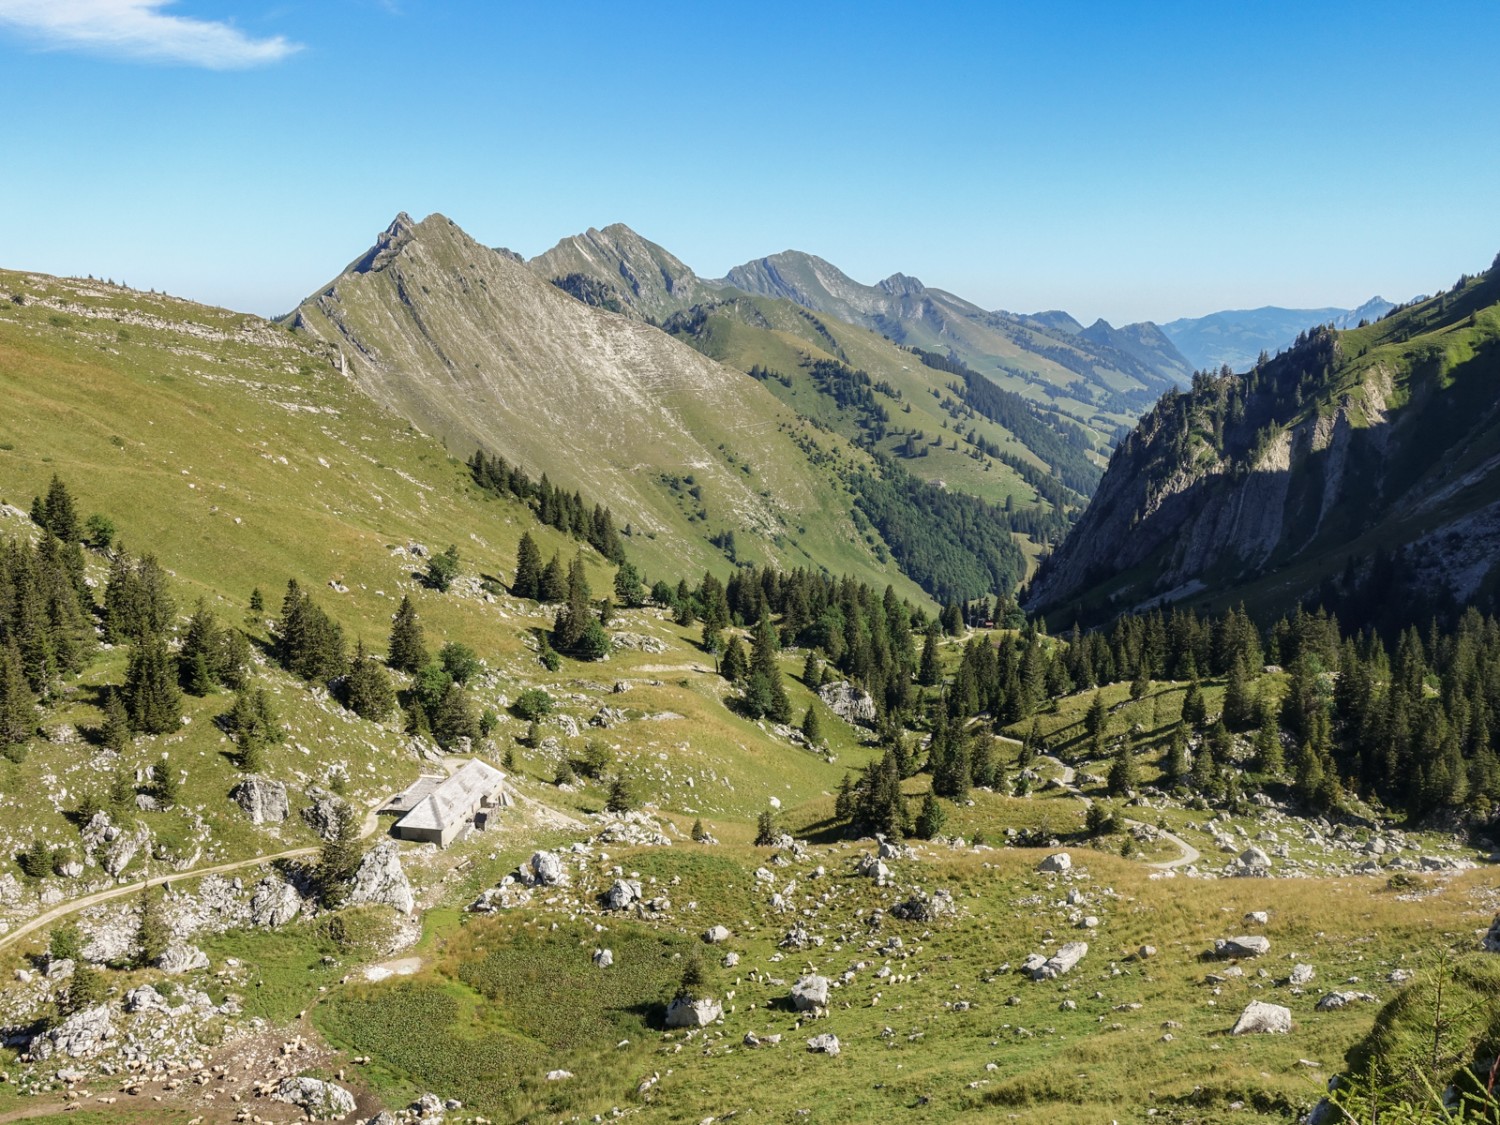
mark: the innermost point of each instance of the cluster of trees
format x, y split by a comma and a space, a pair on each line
556, 507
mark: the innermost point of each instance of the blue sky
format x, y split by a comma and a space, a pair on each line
1125, 160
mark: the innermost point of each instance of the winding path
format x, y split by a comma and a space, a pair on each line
1190, 854
72, 906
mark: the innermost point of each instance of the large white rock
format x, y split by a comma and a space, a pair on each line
318, 1099
275, 903
716, 934
827, 1044
1246, 945
687, 1012
622, 894
810, 992
871, 867
1260, 1018
380, 879
1056, 863
1067, 956
848, 702
263, 800
182, 959
545, 869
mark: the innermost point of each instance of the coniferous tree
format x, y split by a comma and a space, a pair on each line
17, 703
454, 718
812, 727
442, 568
367, 688
812, 670
765, 694
573, 618
621, 797
929, 674
765, 829
152, 933
1268, 753
198, 659
166, 784
931, 818
1239, 704
338, 859
1194, 707
528, 578
87, 988
151, 697
1123, 778
1176, 767
554, 583
115, 734
735, 664
406, 651
630, 588
60, 516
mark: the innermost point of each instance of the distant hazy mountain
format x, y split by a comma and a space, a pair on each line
1238, 336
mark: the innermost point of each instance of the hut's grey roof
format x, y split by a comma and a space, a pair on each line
455, 797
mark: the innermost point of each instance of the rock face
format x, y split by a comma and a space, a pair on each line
1247, 945
1260, 1018
81, 1036
380, 879
318, 1099
275, 903
849, 703
809, 993
323, 814
687, 1012
123, 849
264, 801
1056, 863
1063, 961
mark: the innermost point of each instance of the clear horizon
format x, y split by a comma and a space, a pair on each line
1155, 163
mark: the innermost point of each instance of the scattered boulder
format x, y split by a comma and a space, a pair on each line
753, 1040
1050, 968
604, 958
263, 800
622, 894
182, 959
316, 1098
80, 1036
922, 907
848, 702
1260, 1018
871, 867
716, 934
1302, 973
275, 903
809, 993
380, 879
1491, 942
145, 999
1336, 1000
1056, 863
1255, 861
1145, 953
545, 869
827, 1044
1257, 918
1247, 945
731, 959
559, 1075
685, 1011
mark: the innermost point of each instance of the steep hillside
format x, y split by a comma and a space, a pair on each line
478, 350
1238, 336
1025, 354
1361, 467
616, 268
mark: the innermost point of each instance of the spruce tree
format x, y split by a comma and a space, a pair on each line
554, 583
151, 697
1269, 756
929, 674
406, 650
61, 517
442, 569
166, 785
367, 688
765, 694
573, 618
338, 859
115, 734
528, 578
1239, 705
17, 703
812, 728
931, 818
1123, 777
198, 659
1176, 767
735, 663
621, 796
1194, 707
152, 933
454, 718
87, 988
812, 670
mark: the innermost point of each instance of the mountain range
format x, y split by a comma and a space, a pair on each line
1237, 337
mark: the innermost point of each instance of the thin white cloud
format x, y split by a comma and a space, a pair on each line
140, 30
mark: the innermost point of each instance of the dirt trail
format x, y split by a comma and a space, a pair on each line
1189, 854
62, 910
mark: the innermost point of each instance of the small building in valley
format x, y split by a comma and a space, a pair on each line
437, 809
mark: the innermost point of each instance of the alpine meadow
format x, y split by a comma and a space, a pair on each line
565, 684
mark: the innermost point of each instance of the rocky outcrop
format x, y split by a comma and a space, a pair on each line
622, 894
81, 1036
320, 1100
809, 993
849, 703
182, 959
543, 869
1056, 864
1247, 945
263, 800
275, 903
1060, 963
924, 907
325, 812
380, 879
